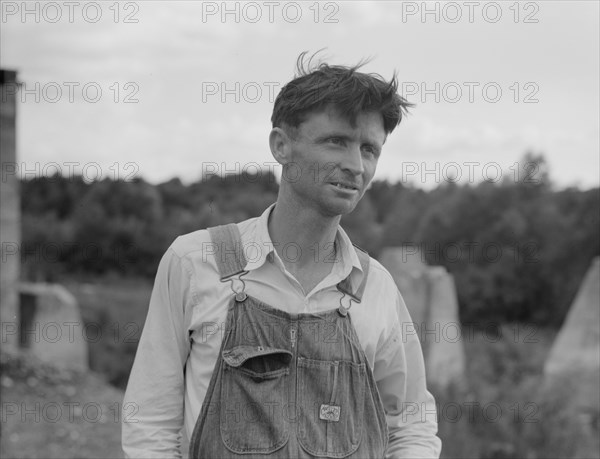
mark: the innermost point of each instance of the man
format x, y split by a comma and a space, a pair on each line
276, 337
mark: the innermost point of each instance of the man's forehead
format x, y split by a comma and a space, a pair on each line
333, 120
335, 116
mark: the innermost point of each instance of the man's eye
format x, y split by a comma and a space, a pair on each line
336, 140
370, 150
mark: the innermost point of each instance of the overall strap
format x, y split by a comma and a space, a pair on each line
346, 287
229, 253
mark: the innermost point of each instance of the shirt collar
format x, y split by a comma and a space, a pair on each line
259, 246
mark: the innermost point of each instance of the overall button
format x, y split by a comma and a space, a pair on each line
240, 296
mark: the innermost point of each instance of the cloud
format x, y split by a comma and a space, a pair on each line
173, 49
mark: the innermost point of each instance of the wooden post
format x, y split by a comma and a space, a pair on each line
10, 213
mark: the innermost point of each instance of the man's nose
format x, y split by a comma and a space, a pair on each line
354, 161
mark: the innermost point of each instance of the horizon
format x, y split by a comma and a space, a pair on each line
230, 176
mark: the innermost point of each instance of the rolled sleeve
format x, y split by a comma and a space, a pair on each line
410, 408
155, 391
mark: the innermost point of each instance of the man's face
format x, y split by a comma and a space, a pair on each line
332, 162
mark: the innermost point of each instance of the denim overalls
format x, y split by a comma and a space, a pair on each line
287, 385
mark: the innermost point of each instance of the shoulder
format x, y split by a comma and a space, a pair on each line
383, 294
378, 317
380, 281
199, 244
378, 272
188, 244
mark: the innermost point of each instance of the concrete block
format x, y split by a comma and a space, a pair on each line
51, 327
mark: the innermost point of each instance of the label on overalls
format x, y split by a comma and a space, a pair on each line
330, 413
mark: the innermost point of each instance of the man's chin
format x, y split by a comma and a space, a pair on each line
341, 209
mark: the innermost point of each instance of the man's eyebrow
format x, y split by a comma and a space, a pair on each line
373, 142
339, 134
345, 136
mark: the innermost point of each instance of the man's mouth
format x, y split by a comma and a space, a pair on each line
345, 186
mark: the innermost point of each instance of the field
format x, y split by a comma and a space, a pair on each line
504, 408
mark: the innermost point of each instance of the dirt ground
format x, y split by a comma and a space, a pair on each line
51, 413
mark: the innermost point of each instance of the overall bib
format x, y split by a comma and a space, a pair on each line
287, 385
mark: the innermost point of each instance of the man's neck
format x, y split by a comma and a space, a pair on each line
302, 237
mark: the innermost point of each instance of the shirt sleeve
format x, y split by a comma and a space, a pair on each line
154, 398
410, 408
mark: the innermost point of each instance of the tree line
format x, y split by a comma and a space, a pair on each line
518, 250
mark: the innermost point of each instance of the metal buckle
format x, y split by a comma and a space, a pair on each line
240, 294
240, 297
343, 310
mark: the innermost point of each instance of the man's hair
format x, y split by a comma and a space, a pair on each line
316, 86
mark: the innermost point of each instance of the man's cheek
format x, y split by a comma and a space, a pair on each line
369, 175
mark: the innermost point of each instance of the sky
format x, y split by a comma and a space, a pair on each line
158, 89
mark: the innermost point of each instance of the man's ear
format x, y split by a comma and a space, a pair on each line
281, 146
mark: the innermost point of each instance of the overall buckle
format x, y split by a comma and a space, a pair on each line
238, 286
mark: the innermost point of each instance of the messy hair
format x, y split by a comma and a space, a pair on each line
316, 86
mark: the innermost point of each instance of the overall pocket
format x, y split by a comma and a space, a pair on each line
331, 397
254, 392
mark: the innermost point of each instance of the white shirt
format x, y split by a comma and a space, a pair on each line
185, 326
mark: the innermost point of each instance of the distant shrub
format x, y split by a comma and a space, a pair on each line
510, 410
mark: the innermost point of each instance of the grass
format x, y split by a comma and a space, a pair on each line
509, 410
114, 314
